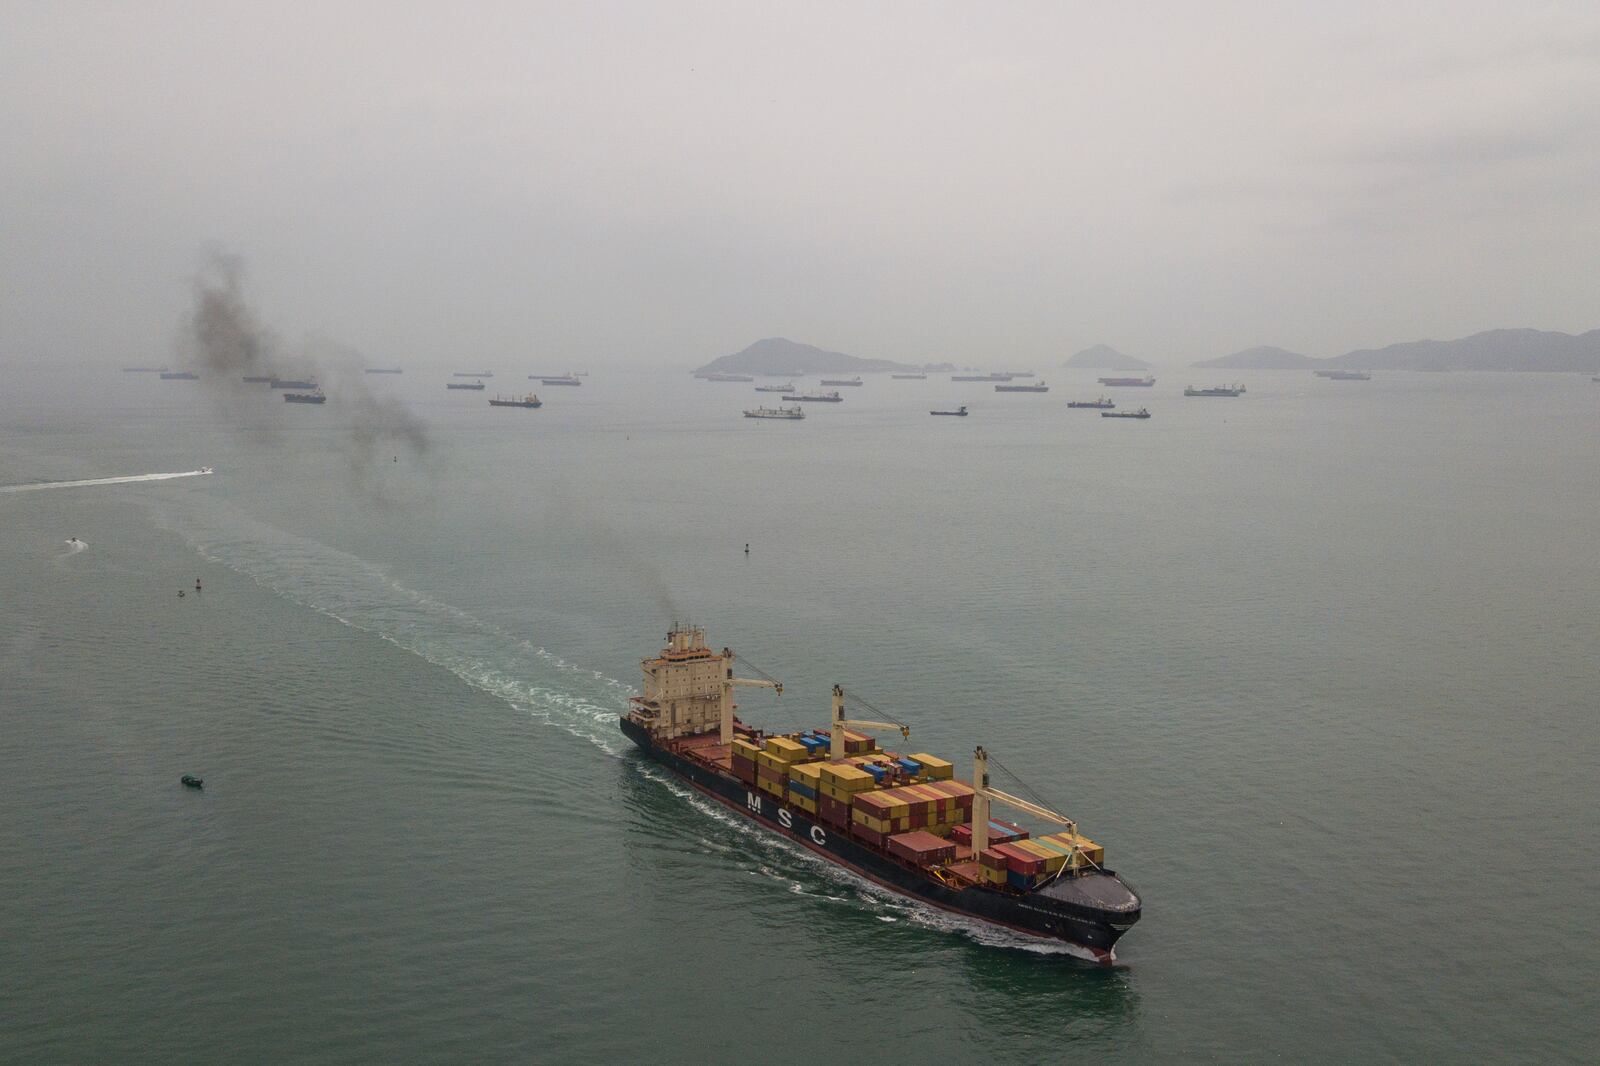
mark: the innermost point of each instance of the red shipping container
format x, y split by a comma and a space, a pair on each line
1019, 861
764, 773
992, 859
832, 811
962, 834
871, 836
921, 848
745, 771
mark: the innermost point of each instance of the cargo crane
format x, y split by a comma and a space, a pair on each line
986, 794
841, 723
728, 684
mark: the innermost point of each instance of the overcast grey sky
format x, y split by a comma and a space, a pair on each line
598, 183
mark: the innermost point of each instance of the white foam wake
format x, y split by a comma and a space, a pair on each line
129, 480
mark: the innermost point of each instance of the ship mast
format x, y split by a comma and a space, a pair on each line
984, 795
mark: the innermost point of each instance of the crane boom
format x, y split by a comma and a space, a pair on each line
729, 682
840, 722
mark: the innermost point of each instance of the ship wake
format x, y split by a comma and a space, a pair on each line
128, 480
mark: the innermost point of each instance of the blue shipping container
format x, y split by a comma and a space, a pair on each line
802, 790
910, 766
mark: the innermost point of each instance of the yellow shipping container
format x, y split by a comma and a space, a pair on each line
934, 767
805, 803
849, 778
809, 772
784, 749
745, 749
1091, 851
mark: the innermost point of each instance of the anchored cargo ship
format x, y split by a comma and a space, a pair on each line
909, 377
959, 412
258, 379
842, 381
901, 821
725, 377
1040, 387
1104, 403
1344, 375
471, 374
1123, 383
287, 383
305, 397
384, 370
529, 401
776, 412
477, 386
776, 388
560, 379
980, 377
178, 375
1140, 413
815, 397
1215, 390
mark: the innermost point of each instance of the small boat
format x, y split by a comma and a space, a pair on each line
776, 388
1216, 390
529, 401
842, 381
305, 397
1039, 387
1103, 403
815, 397
475, 385
191, 781
776, 412
959, 412
1140, 413
206, 470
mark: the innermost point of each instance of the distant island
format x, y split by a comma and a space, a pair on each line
1495, 349
778, 355
1105, 357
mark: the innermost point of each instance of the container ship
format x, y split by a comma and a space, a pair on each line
1126, 383
901, 821
529, 401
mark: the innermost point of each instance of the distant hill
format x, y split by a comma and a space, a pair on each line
1495, 349
776, 355
1105, 357
1264, 357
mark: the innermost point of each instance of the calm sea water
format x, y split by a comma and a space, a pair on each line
1317, 665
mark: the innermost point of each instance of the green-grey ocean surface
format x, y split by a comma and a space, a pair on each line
1317, 665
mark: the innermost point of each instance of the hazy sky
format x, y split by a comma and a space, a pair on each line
589, 184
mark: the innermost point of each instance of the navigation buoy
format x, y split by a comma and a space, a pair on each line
180, 594
197, 584
747, 549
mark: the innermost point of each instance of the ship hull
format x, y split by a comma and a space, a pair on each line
1091, 932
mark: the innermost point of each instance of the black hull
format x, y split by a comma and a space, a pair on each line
1065, 911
